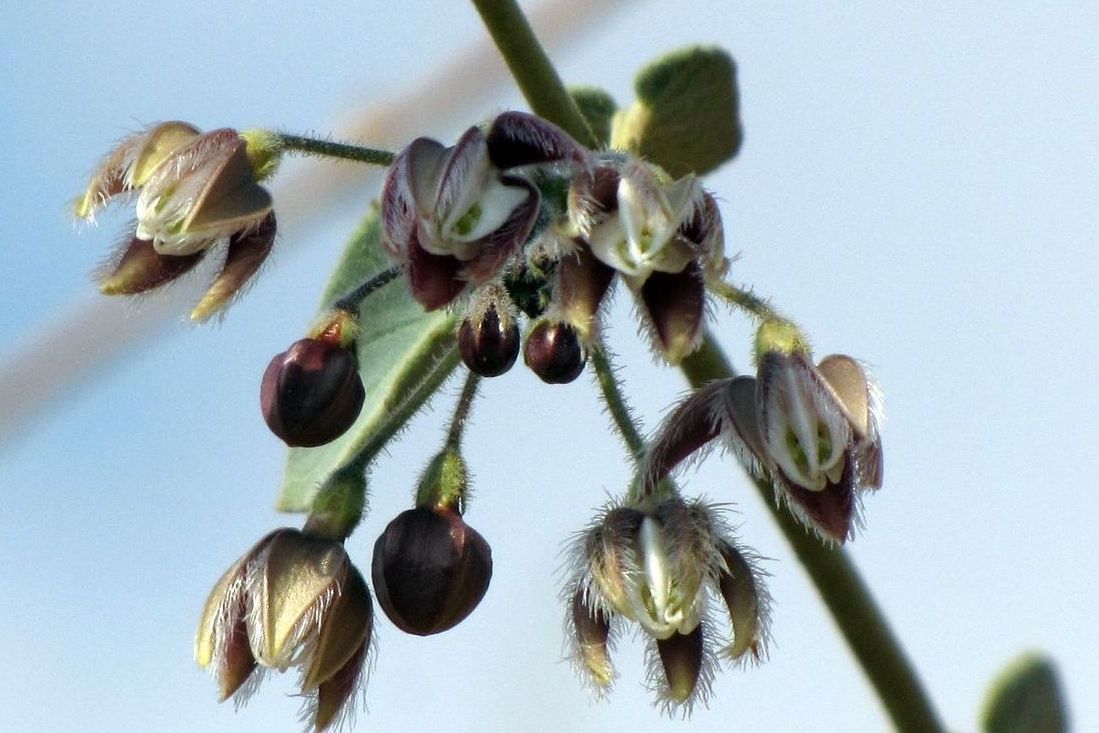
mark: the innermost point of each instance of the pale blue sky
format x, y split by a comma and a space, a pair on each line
918, 186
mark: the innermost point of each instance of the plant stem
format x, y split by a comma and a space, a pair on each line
533, 72
841, 588
744, 299
461, 410
351, 301
617, 406
838, 582
329, 149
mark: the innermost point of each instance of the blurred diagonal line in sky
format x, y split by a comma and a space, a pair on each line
77, 343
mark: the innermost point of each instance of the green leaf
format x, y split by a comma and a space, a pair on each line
598, 109
687, 115
1026, 698
405, 354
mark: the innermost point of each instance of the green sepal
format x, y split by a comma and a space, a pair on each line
1026, 698
598, 108
405, 354
444, 481
687, 115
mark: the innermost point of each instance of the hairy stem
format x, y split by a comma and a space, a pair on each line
329, 149
617, 406
461, 410
831, 570
744, 299
351, 301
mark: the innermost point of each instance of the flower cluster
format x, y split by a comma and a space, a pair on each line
521, 218
522, 233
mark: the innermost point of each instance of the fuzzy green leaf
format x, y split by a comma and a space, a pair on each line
598, 109
1026, 698
687, 114
405, 354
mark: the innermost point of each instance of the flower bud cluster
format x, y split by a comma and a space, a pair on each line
522, 207
664, 565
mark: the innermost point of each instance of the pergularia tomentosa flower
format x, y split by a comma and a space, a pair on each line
661, 564
294, 600
664, 237
193, 191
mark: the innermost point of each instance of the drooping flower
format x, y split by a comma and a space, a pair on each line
452, 217
819, 428
664, 237
812, 431
193, 191
294, 600
662, 566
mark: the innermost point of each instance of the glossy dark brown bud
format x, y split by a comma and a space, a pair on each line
430, 570
554, 352
488, 347
311, 393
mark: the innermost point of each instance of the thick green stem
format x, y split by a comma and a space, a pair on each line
838, 582
530, 66
844, 593
328, 149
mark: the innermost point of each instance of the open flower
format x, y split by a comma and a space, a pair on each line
664, 237
193, 191
819, 429
661, 566
452, 217
294, 600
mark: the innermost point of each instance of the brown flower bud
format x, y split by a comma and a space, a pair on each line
430, 570
311, 393
488, 345
554, 352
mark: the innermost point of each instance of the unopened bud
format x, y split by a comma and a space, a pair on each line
141, 268
488, 345
311, 393
430, 570
554, 352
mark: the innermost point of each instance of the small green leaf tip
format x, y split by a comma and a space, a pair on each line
1026, 698
687, 114
598, 108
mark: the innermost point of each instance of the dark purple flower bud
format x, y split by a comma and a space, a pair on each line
489, 345
554, 352
141, 268
311, 393
519, 138
430, 570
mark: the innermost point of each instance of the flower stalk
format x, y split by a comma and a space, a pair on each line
329, 149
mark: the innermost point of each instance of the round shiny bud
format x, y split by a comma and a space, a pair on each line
311, 393
430, 570
488, 347
554, 352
